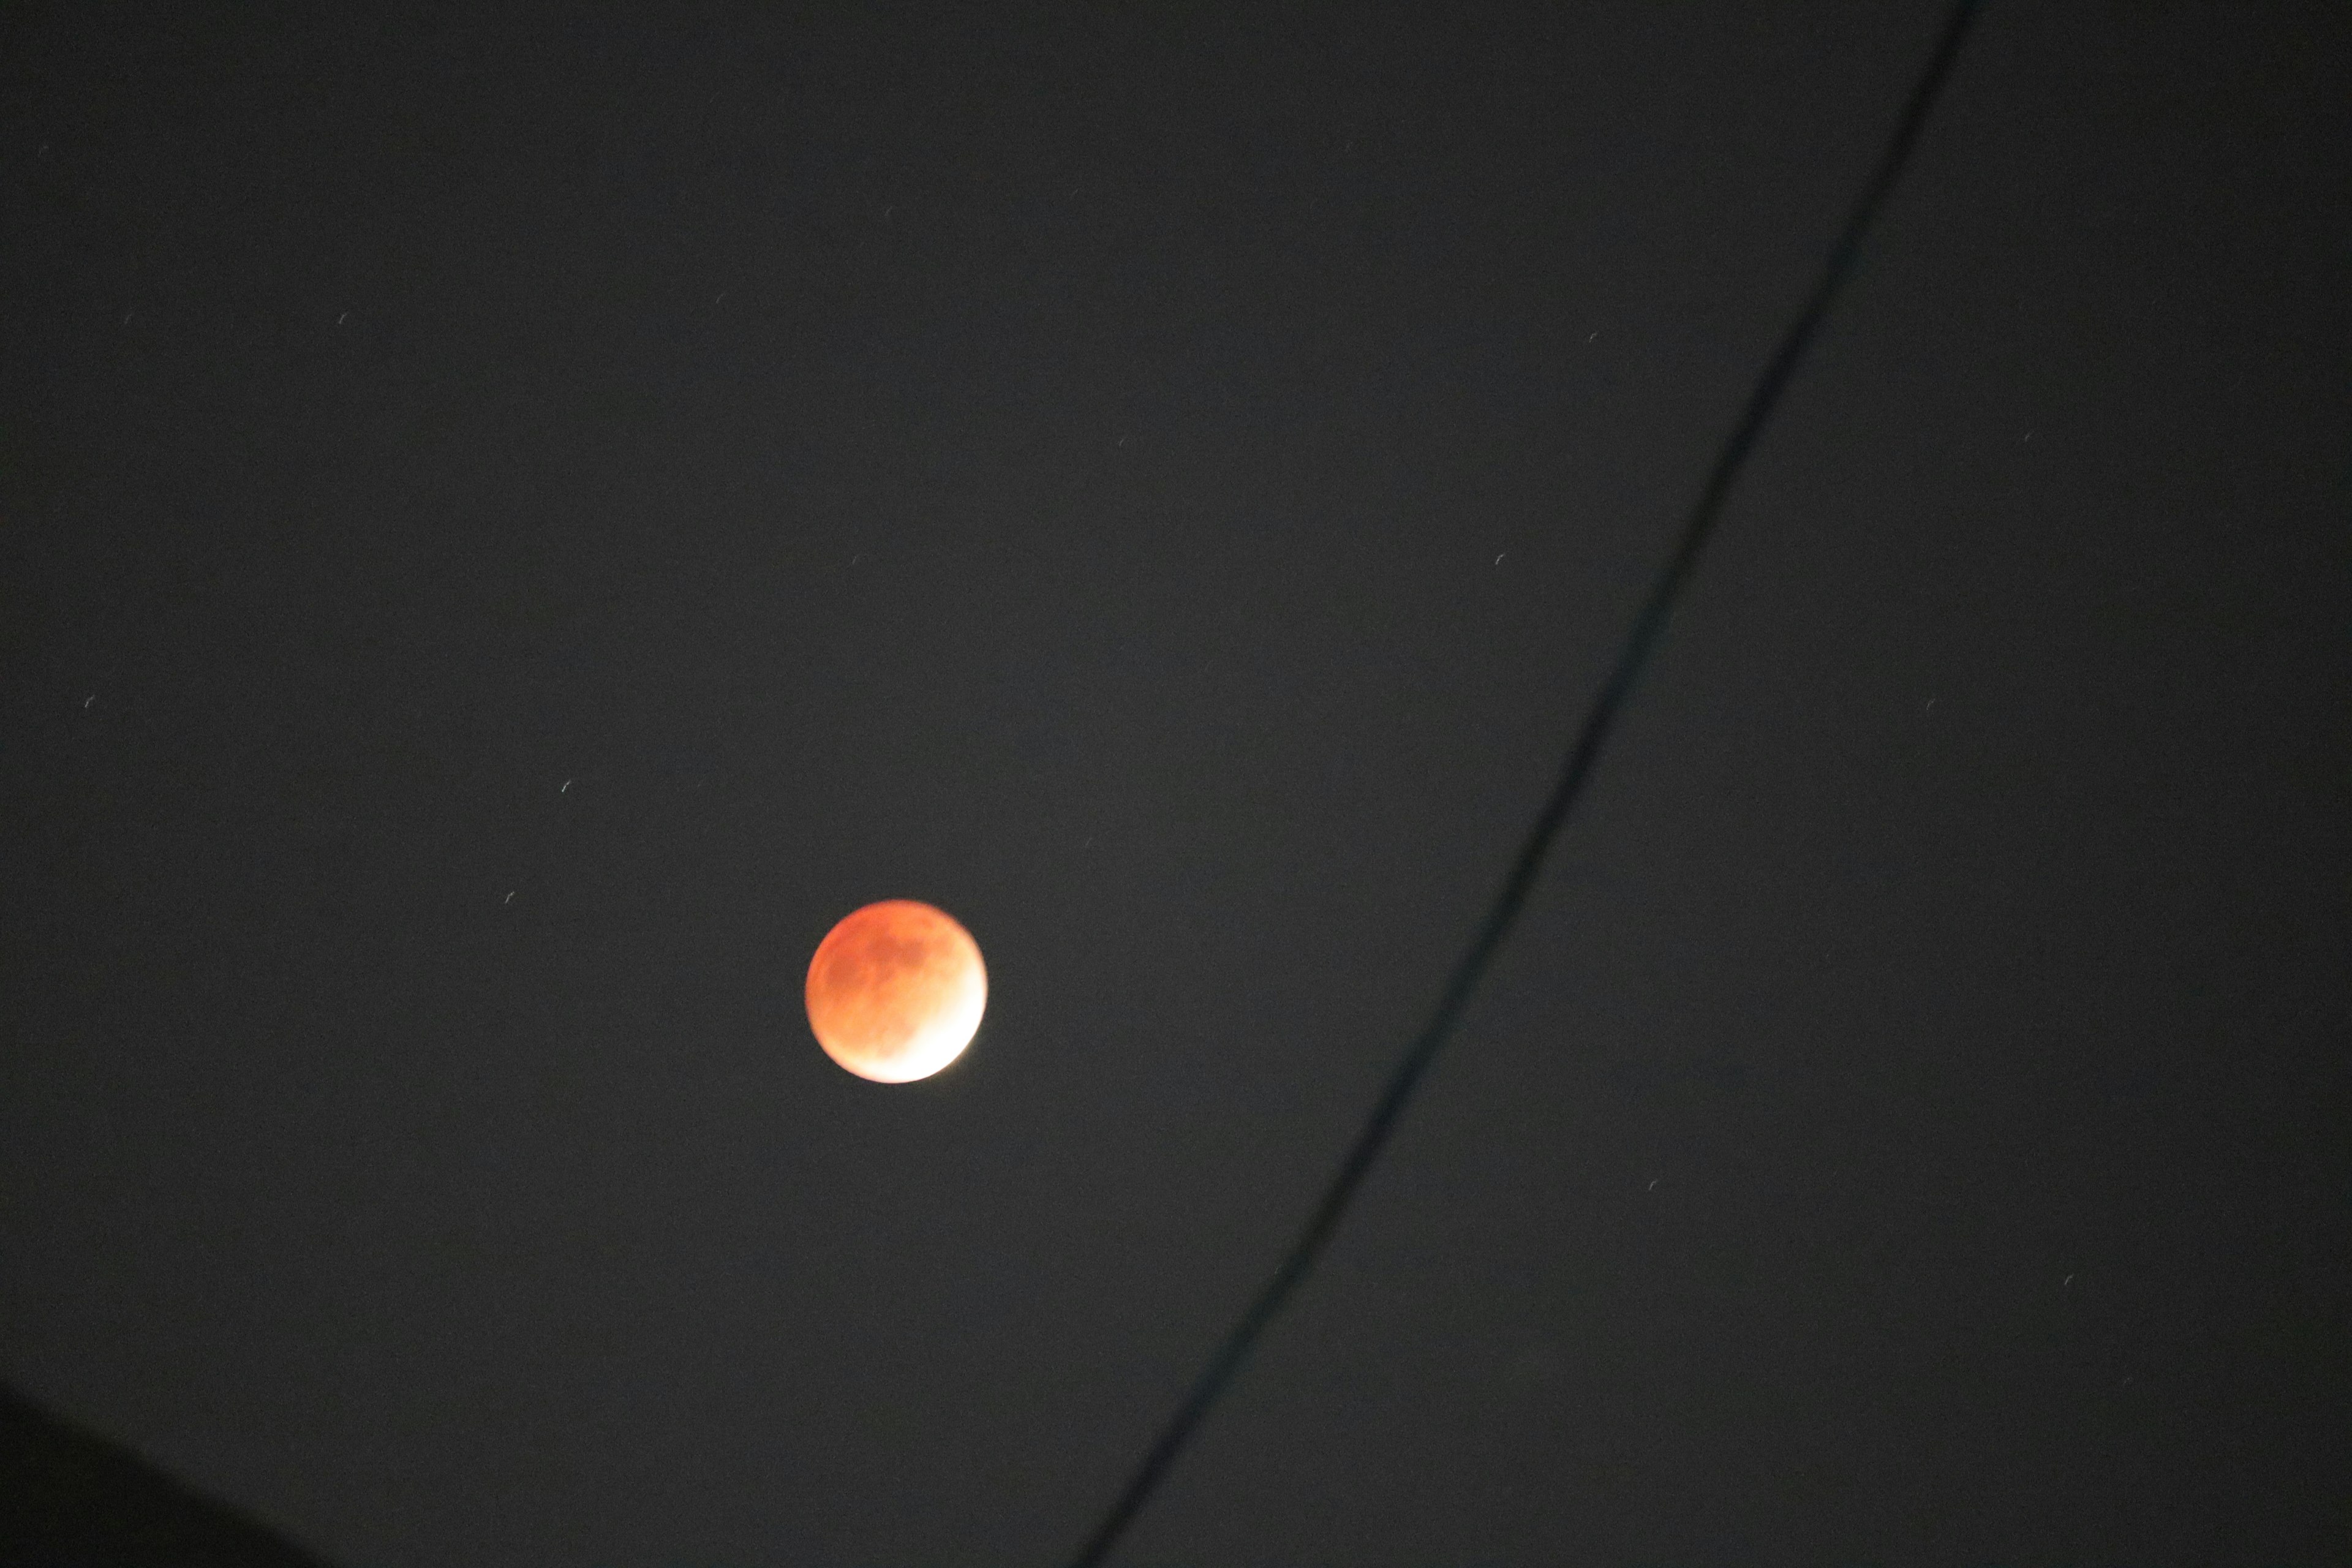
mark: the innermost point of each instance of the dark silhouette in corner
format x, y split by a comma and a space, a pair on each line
69, 1499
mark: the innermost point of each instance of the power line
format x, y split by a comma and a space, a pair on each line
1634, 653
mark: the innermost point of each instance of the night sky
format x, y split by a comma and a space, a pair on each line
513, 523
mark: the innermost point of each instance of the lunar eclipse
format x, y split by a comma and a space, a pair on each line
895, 991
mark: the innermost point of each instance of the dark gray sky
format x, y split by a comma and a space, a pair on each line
511, 526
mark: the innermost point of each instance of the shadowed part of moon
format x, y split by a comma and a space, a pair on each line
895, 991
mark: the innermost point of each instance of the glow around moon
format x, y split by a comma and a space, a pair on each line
895, 991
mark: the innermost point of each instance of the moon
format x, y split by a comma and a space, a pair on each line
895, 991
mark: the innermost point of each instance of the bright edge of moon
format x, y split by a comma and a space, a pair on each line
895, 991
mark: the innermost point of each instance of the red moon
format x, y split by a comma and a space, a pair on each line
895, 991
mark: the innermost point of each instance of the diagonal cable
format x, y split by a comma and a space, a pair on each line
1657, 609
